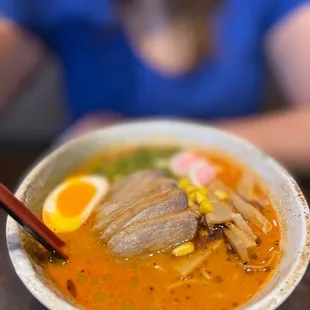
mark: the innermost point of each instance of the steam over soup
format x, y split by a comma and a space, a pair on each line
163, 229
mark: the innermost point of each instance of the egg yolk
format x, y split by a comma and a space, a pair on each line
73, 199
70, 204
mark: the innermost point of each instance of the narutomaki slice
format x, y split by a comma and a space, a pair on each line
181, 162
201, 173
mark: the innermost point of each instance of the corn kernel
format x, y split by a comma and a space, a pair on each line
202, 191
206, 207
192, 197
184, 183
190, 189
184, 249
221, 195
199, 197
190, 204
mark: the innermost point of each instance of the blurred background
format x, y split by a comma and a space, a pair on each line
33, 101
33, 105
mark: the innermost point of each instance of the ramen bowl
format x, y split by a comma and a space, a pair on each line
288, 201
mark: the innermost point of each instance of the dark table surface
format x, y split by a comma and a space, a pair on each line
14, 160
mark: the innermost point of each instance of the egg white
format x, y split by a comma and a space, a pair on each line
53, 218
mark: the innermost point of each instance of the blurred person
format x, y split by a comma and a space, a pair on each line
202, 59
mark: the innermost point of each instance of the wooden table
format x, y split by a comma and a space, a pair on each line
13, 295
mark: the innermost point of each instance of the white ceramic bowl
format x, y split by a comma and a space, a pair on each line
290, 203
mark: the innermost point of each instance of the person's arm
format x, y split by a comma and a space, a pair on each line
14, 69
20, 52
285, 135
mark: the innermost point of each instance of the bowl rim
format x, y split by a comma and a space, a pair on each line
52, 301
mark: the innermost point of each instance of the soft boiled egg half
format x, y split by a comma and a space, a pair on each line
70, 204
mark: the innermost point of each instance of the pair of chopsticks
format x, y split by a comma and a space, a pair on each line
34, 226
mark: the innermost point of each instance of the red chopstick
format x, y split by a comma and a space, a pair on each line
34, 226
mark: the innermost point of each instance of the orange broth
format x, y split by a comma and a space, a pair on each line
151, 282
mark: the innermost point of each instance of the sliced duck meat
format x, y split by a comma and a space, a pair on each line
128, 187
129, 183
156, 234
126, 202
151, 205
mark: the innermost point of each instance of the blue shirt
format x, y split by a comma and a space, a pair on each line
103, 74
